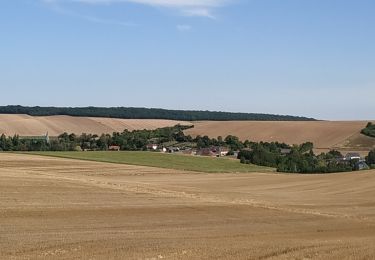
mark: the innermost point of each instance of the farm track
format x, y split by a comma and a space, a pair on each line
70, 209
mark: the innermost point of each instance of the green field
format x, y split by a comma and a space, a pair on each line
169, 161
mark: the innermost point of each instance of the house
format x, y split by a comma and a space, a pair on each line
152, 147
114, 148
285, 151
173, 149
206, 152
223, 151
352, 156
189, 151
214, 151
220, 150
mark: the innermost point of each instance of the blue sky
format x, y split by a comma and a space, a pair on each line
301, 57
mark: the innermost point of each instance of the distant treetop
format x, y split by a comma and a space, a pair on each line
369, 130
147, 113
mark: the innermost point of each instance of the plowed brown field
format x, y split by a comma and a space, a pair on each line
67, 209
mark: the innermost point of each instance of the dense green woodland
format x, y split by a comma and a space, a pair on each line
286, 158
300, 159
146, 113
369, 130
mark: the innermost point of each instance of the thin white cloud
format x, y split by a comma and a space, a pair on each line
59, 9
203, 12
202, 8
105, 21
183, 27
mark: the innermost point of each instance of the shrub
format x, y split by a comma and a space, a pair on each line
242, 160
230, 153
370, 159
369, 130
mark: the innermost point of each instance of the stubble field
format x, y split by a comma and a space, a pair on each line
25, 125
341, 135
54, 208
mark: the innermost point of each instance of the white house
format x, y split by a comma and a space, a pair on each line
352, 156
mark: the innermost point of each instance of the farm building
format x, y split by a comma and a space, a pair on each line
114, 148
215, 151
222, 151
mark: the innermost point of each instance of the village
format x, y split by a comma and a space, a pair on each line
222, 151
172, 140
213, 151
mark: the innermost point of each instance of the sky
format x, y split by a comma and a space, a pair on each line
312, 58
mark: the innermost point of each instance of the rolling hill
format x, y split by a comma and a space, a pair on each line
25, 125
343, 135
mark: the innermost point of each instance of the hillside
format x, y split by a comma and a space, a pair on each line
26, 125
343, 135
146, 113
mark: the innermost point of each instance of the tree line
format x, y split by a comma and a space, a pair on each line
127, 140
136, 140
146, 113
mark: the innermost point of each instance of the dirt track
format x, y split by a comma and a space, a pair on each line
64, 209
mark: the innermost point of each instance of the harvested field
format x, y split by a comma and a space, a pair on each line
68, 209
25, 125
324, 134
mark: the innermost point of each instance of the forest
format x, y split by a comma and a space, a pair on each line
146, 113
300, 159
